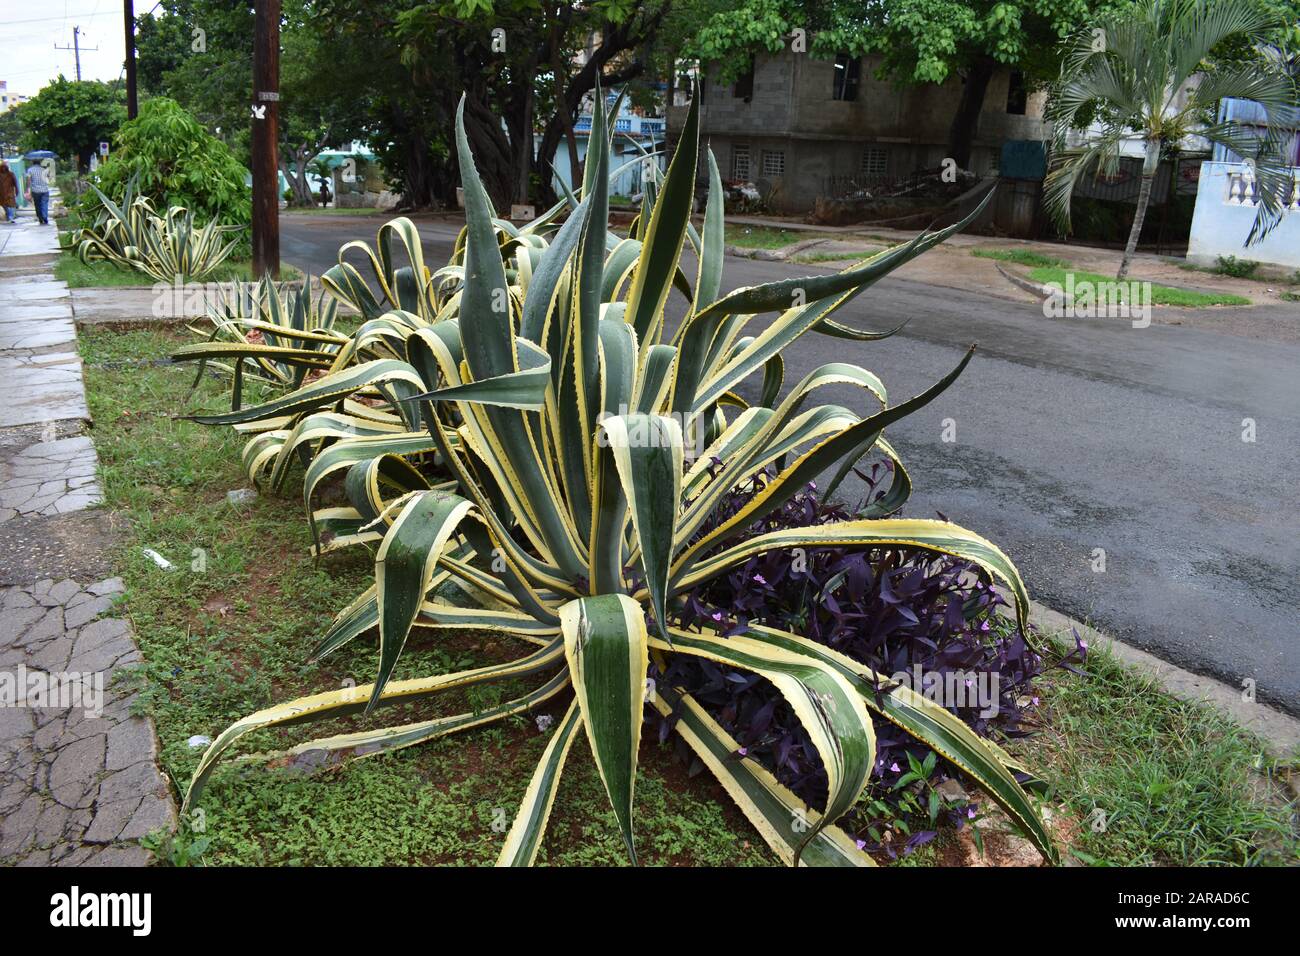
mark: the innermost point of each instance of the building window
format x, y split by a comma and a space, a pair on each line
875, 161
847, 72
740, 162
774, 163
744, 88
1017, 94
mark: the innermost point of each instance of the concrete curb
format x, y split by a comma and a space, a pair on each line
1280, 732
1026, 285
773, 255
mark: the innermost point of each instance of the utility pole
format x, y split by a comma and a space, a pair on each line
266, 137
76, 49
128, 22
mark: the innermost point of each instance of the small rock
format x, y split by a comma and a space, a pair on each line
240, 496
953, 791
199, 741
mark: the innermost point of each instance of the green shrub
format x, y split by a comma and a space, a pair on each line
1237, 268
175, 162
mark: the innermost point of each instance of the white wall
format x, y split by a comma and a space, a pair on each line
1221, 222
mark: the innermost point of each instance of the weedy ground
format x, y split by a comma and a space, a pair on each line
226, 632
1024, 257
762, 237
1177, 782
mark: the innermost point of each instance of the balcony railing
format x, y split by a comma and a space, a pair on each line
1244, 190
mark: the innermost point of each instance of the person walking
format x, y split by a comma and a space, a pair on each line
8, 193
38, 191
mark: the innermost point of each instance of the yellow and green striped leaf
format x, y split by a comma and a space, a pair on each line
605, 646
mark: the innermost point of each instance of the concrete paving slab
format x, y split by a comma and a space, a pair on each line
35, 288
28, 238
79, 777
29, 311
35, 389
37, 334
122, 304
48, 478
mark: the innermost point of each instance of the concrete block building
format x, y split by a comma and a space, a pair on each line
803, 128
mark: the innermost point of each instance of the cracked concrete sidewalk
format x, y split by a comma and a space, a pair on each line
79, 777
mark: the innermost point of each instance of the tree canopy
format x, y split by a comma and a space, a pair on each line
72, 117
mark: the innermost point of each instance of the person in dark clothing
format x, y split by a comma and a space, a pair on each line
8, 193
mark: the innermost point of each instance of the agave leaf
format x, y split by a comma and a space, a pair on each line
824, 701
526, 832
605, 645
663, 237
776, 813
647, 451
354, 700
404, 570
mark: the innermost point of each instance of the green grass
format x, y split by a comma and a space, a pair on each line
1173, 779
222, 642
761, 237
101, 273
1289, 296
1023, 257
1160, 294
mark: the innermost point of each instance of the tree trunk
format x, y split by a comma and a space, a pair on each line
966, 121
1150, 163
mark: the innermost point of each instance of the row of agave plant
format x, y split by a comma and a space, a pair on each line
166, 247
517, 423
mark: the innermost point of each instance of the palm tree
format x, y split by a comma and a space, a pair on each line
1128, 75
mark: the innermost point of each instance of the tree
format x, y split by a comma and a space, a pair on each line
175, 162
1125, 76
392, 72
918, 41
527, 65
11, 130
72, 117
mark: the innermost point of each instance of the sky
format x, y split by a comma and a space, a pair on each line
29, 30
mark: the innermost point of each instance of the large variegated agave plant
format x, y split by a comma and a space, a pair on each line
562, 412
165, 247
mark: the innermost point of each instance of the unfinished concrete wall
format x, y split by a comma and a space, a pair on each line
796, 139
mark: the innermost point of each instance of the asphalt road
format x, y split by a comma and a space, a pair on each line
1073, 435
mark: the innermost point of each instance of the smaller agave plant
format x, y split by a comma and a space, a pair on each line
561, 407
164, 248
270, 331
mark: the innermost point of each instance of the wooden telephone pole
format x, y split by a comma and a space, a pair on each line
266, 136
128, 22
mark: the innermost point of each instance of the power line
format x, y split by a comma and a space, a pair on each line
46, 19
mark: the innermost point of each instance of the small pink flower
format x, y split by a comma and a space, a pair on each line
760, 579
894, 768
